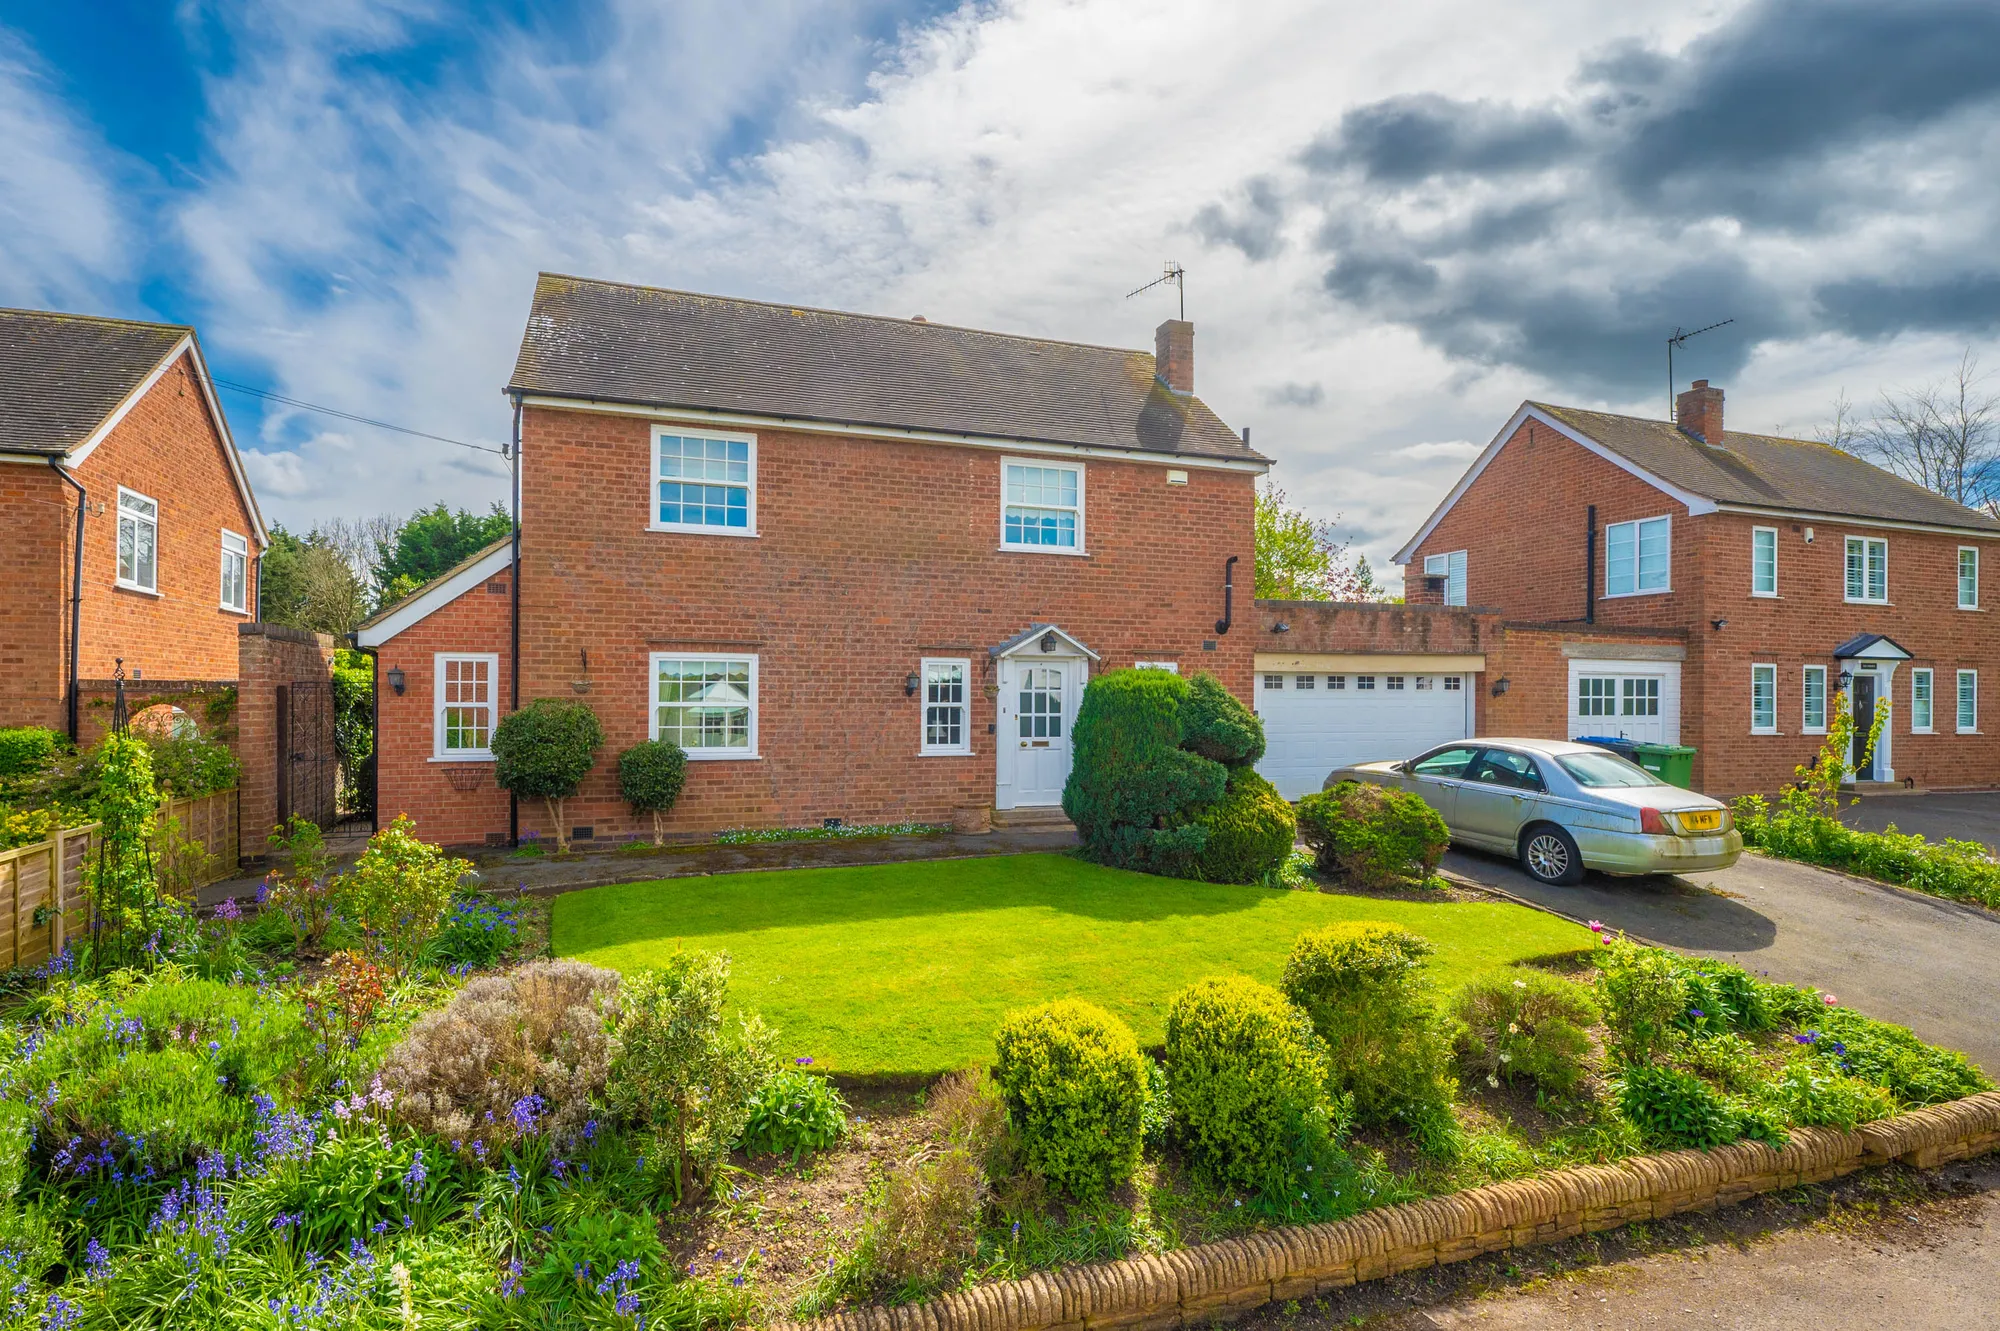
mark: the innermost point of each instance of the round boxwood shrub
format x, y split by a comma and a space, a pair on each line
1373, 836
544, 751
1526, 1023
1362, 984
1131, 783
1075, 1087
1247, 1076
1250, 830
650, 776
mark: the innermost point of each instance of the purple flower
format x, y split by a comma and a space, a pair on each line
1696, 1013
527, 1112
228, 910
805, 1062
1810, 1037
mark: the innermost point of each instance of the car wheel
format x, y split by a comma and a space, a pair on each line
1549, 854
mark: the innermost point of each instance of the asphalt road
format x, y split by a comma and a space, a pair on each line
1931, 965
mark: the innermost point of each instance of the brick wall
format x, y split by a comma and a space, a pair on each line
36, 512
269, 656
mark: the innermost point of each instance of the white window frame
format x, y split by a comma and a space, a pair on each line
439, 753
1867, 544
1274, 681
653, 522
749, 754
1755, 533
1963, 551
924, 746
240, 552
1636, 524
1929, 701
117, 532
1081, 547
1807, 726
1958, 702
1451, 567
1772, 728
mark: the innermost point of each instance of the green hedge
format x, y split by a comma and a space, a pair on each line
1956, 870
1373, 836
1075, 1085
1249, 830
27, 750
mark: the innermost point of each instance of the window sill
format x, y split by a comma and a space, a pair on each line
1926, 730
1755, 731
1862, 600
1973, 609
715, 756
1813, 730
135, 587
738, 532
1043, 550
946, 753
235, 610
1651, 591
1968, 732
1765, 596
461, 758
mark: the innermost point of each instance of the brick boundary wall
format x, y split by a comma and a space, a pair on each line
1196, 1286
268, 655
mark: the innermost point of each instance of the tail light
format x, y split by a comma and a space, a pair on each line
1654, 822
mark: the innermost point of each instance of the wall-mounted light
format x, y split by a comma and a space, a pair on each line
1846, 678
910, 684
1718, 624
1501, 685
1048, 642
396, 680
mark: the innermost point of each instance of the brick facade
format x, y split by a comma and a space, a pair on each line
870, 555
271, 657
1524, 525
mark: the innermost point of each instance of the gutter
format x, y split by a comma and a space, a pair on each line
75, 598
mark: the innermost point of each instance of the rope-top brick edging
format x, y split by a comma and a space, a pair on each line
1215, 1281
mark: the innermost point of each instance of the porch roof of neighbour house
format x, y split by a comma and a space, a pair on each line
1871, 646
1749, 473
67, 380
1020, 642
609, 343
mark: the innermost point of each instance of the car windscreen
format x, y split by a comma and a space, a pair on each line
1605, 769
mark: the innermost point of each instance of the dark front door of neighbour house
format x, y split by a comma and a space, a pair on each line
1864, 723
308, 762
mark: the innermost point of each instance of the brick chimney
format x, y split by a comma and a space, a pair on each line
1699, 412
1173, 355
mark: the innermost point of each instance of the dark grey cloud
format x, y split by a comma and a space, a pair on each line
1736, 176
1250, 223
1295, 395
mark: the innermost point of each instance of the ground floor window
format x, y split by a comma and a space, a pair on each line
1815, 700
1920, 702
1968, 701
706, 704
1274, 681
946, 729
463, 723
1764, 699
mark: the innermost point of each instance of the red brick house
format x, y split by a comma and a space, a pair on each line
858, 567
1690, 584
128, 529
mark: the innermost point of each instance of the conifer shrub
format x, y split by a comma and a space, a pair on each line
1248, 1078
1075, 1087
1362, 984
1250, 830
1372, 836
1216, 724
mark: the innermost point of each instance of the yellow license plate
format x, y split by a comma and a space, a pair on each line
1702, 820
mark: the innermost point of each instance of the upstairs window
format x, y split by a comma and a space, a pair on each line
1636, 557
1450, 567
1868, 569
235, 571
945, 727
705, 483
1968, 577
1041, 507
138, 541
463, 725
1763, 561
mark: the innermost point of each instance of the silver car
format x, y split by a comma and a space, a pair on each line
1561, 808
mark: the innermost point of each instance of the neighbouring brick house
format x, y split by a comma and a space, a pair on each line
859, 567
113, 446
1688, 584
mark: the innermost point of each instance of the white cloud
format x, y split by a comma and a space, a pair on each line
62, 241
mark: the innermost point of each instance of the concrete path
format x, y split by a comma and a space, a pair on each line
1972, 816
1931, 965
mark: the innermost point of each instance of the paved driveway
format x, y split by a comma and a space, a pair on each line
1970, 817
1931, 965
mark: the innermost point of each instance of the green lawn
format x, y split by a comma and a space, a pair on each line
907, 968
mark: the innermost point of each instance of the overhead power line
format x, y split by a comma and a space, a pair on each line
350, 416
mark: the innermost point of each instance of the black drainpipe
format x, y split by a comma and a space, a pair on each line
374, 656
1590, 567
75, 597
514, 624
1228, 590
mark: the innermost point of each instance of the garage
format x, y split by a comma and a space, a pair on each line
1323, 711
1635, 697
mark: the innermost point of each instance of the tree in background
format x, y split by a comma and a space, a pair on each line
1944, 436
1300, 559
432, 541
306, 582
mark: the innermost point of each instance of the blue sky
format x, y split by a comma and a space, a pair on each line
1392, 235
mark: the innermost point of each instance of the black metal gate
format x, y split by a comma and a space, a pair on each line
308, 761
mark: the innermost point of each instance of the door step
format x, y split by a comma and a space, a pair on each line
1880, 788
1038, 818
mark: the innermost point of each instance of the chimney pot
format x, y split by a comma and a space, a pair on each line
1699, 412
1173, 355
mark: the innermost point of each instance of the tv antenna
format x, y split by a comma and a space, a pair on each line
1674, 341
1174, 273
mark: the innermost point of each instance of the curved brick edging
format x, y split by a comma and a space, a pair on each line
1192, 1286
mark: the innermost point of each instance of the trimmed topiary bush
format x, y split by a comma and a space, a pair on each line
1250, 831
1216, 725
544, 751
1075, 1086
650, 776
1363, 986
1130, 781
27, 750
1248, 1079
1529, 1024
1373, 836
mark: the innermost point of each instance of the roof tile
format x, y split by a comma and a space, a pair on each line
62, 374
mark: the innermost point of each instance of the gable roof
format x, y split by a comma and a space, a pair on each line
643, 346
474, 570
1749, 473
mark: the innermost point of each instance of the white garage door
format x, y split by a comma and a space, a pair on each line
1637, 700
1316, 722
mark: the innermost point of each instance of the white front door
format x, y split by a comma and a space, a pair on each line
1038, 698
